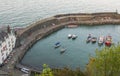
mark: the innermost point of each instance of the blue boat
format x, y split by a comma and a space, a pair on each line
57, 45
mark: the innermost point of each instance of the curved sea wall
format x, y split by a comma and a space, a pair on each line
66, 19
26, 37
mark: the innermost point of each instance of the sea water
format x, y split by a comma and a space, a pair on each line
77, 52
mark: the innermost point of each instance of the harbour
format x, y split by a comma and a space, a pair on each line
27, 37
37, 23
77, 51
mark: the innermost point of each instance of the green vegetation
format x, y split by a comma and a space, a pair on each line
105, 63
58, 72
46, 71
67, 72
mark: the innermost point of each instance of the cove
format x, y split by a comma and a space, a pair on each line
77, 51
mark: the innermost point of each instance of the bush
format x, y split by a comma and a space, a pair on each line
105, 63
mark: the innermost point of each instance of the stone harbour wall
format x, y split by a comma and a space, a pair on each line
80, 18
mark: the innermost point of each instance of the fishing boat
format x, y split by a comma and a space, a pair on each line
108, 41
100, 40
93, 39
74, 36
88, 38
57, 44
69, 36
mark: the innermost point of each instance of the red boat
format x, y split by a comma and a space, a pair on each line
108, 41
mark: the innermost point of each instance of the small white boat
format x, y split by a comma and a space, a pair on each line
101, 40
62, 50
69, 36
74, 36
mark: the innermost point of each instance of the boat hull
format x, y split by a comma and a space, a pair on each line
108, 41
93, 40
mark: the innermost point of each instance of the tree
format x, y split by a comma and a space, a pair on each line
106, 62
46, 71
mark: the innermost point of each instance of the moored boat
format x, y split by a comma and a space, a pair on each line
69, 36
93, 39
100, 40
88, 38
108, 41
57, 44
74, 36
62, 50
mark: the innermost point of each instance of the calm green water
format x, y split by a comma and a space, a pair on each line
77, 53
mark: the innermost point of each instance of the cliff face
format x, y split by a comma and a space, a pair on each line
59, 21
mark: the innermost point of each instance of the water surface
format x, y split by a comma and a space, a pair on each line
25, 12
77, 53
